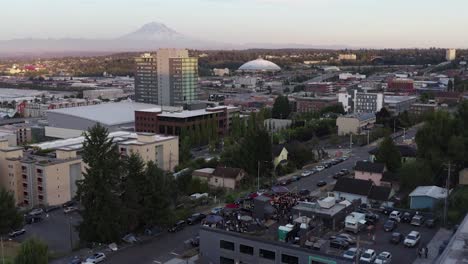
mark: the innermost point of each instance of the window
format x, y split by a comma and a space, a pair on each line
226, 245
267, 254
246, 249
289, 259
223, 260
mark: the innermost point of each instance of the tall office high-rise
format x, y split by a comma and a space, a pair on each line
450, 54
169, 77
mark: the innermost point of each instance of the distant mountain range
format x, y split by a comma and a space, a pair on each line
150, 36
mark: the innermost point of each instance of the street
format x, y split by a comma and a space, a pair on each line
171, 245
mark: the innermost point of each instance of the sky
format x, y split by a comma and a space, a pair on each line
356, 23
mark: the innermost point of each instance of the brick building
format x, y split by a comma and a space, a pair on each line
401, 85
314, 104
171, 123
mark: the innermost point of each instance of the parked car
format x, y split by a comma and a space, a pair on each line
396, 238
407, 216
352, 253
395, 215
430, 222
319, 168
347, 237
321, 183
195, 218
177, 226
339, 244
337, 175
304, 192
368, 256
76, 260
344, 172
36, 212
418, 220
306, 173
51, 208
327, 165
386, 210
383, 258
412, 239
31, 219
16, 233
68, 204
296, 177
374, 217
217, 210
443, 246
390, 225
96, 258
70, 209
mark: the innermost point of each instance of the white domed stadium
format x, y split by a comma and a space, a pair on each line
259, 65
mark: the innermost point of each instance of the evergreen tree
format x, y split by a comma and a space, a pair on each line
157, 196
10, 217
281, 108
132, 199
389, 154
99, 190
32, 251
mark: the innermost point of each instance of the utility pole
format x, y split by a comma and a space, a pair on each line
350, 141
3, 255
368, 137
258, 175
447, 187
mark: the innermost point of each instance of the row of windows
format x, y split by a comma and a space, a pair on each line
248, 250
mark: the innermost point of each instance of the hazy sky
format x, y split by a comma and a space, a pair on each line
359, 23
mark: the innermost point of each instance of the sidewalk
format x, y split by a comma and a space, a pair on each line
433, 246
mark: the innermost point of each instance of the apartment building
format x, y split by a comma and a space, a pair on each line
355, 123
45, 178
21, 131
355, 101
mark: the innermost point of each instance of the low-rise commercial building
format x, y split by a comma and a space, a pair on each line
355, 123
111, 93
401, 85
421, 109
72, 122
158, 121
427, 197
398, 104
38, 109
218, 246
314, 104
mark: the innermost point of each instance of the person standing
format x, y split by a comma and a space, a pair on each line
425, 251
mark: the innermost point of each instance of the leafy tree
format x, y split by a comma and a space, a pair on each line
336, 109
414, 174
389, 154
10, 217
299, 154
383, 117
100, 188
132, 199
281, 108
32, 251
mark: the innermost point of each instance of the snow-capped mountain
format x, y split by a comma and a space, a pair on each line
154, 31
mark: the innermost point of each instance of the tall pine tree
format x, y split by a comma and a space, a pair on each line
99, 191
132, 198
10, 217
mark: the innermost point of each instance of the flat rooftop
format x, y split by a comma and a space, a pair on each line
389, 99
108, 113
121, 137
194, 113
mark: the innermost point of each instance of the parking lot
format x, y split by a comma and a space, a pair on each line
400, 253
57, 229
